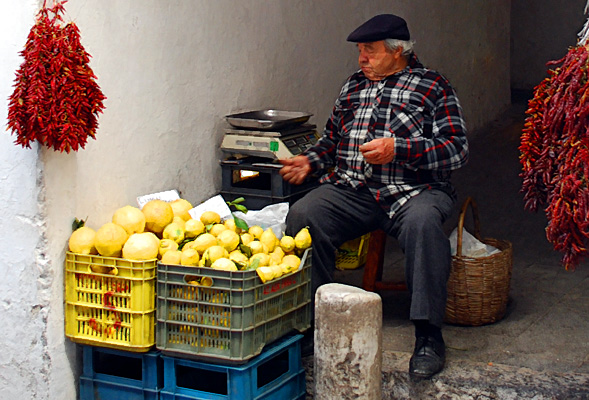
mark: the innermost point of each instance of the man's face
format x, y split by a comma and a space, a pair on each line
377, 61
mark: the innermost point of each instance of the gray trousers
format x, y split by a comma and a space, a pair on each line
336, 214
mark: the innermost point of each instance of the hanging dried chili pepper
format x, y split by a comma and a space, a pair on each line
533, 186
56, 99
554, 153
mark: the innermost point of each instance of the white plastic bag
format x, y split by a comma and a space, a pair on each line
272, 216
471, 246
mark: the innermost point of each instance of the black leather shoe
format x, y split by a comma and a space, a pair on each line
428, 358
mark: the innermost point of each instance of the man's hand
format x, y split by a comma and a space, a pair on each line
379, 151
295, 169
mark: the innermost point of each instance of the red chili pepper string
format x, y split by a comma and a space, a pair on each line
554, 153
56, 99
531, 144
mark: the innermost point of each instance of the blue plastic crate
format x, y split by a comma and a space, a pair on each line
116, 374
277, 373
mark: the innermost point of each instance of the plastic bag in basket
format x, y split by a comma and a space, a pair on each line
471, 246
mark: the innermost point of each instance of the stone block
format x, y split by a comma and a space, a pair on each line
348, 343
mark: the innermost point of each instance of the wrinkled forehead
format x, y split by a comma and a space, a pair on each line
378, 45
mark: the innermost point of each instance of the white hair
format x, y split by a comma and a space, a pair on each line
406, 45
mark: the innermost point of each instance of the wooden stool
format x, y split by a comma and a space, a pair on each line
372, 279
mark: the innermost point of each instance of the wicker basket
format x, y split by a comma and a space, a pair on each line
478, 288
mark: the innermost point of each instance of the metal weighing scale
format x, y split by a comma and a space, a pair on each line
269, 134
255, 142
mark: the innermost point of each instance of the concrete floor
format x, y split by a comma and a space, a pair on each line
540, 349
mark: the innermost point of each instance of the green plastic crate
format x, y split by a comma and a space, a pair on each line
235, 317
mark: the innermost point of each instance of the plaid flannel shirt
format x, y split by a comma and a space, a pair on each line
416, 106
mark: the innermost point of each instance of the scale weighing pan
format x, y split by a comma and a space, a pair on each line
267, 119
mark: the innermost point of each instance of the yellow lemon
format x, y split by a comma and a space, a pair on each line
203, 242
153, 237
165, 246
228, 239
263, 259
206, 281
287, 243
303, 239
256, 231
285, 268
189, 257
210, 217
213, 253
193, 228
140, 247
104, 269
230, 224
246, 238
279, 250
269, 239
180, 208
130, 218
268, 273
173, 231
224, 264
189, 245
158, 214
172, 257
239, 258
217, 228
292, 260
109, 240
276, 257
257, 247
265, 273
82, 241
180, 222
278, 271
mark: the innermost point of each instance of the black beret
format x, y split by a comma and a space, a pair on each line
384, 26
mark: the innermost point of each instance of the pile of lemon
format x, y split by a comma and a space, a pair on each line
224, 246
132, 233
167, 232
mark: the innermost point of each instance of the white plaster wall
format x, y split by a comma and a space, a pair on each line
171, 71
26, 271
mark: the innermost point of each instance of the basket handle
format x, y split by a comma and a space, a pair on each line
475, 216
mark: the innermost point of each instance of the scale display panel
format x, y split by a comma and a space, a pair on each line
268, 145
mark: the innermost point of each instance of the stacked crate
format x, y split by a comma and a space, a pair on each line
277, 373
237, 330
110, 309
233, 336
110, 301
117, 374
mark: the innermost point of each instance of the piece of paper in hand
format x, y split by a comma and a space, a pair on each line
216, 204
272, 216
